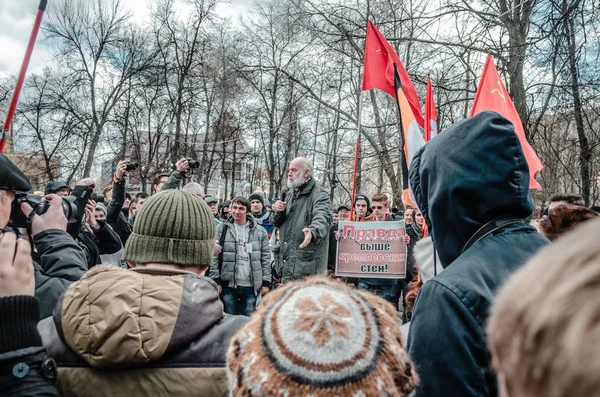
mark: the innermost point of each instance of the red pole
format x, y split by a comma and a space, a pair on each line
13, 103
352, 217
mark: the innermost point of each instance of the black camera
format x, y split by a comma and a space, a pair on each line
99, 198
40, 206
131, 166
193, 163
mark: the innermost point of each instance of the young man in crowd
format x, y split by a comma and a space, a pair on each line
243, 266
387, 288
138, 201
159, 181
343, 212
545, 324
260, 213
362, 208
481, 239
303, 216
162, 330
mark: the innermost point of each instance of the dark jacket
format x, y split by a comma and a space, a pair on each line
25, 370
471, 174
141, 332
94, 243
114, 214
260, 255
308, 206
61, 262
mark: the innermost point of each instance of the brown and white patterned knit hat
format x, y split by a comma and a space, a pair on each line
318, 337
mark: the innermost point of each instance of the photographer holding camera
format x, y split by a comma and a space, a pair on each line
61, 261
95, 237
182, 167
114, 214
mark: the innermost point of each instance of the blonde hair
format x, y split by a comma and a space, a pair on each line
544, 330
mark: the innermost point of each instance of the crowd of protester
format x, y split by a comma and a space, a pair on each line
181, 294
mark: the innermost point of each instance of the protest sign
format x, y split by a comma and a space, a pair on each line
371, 249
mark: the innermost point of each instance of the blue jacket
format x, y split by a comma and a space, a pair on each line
469, 175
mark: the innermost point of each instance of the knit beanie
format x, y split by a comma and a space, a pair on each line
172, 227
362, 197
317, 337
256, 196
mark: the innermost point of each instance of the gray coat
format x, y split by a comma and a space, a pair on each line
260, 257
308, 206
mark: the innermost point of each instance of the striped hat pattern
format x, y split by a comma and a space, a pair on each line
319, 337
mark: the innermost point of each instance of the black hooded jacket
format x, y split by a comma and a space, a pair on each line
469, 175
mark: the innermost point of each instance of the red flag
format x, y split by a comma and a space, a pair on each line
379, 70
431, 128
492, 95
411, 139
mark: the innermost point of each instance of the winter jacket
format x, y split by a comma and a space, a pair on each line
308, 206
114, 214
173, 182
260, 255
61, 262
25, 370
466, 178
94, 243
140, 332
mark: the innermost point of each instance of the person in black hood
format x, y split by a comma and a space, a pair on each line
471, 184
114, 214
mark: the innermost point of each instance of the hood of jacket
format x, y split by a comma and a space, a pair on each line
469, 175
116, 318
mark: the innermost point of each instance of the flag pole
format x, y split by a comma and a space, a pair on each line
15, 99
356, 156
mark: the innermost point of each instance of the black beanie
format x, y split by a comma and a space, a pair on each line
362, 197
256, 196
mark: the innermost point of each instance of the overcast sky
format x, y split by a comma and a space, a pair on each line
16, 22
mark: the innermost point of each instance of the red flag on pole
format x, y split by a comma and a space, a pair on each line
431, 128
411, 138
492, 95
379, 70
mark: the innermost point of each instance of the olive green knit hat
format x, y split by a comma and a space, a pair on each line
172, 227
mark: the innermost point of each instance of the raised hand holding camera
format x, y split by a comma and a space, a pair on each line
182, 166
122, 168
52, 218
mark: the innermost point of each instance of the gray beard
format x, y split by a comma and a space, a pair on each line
296, 182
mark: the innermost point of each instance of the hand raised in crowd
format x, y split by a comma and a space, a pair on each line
16, 268
307, 237
121, 169
53, 218
217, 250
90, 212
182, 165
279, 206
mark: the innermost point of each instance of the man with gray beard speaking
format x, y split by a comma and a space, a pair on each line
304, 218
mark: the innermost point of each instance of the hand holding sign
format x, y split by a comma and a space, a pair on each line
307, 237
